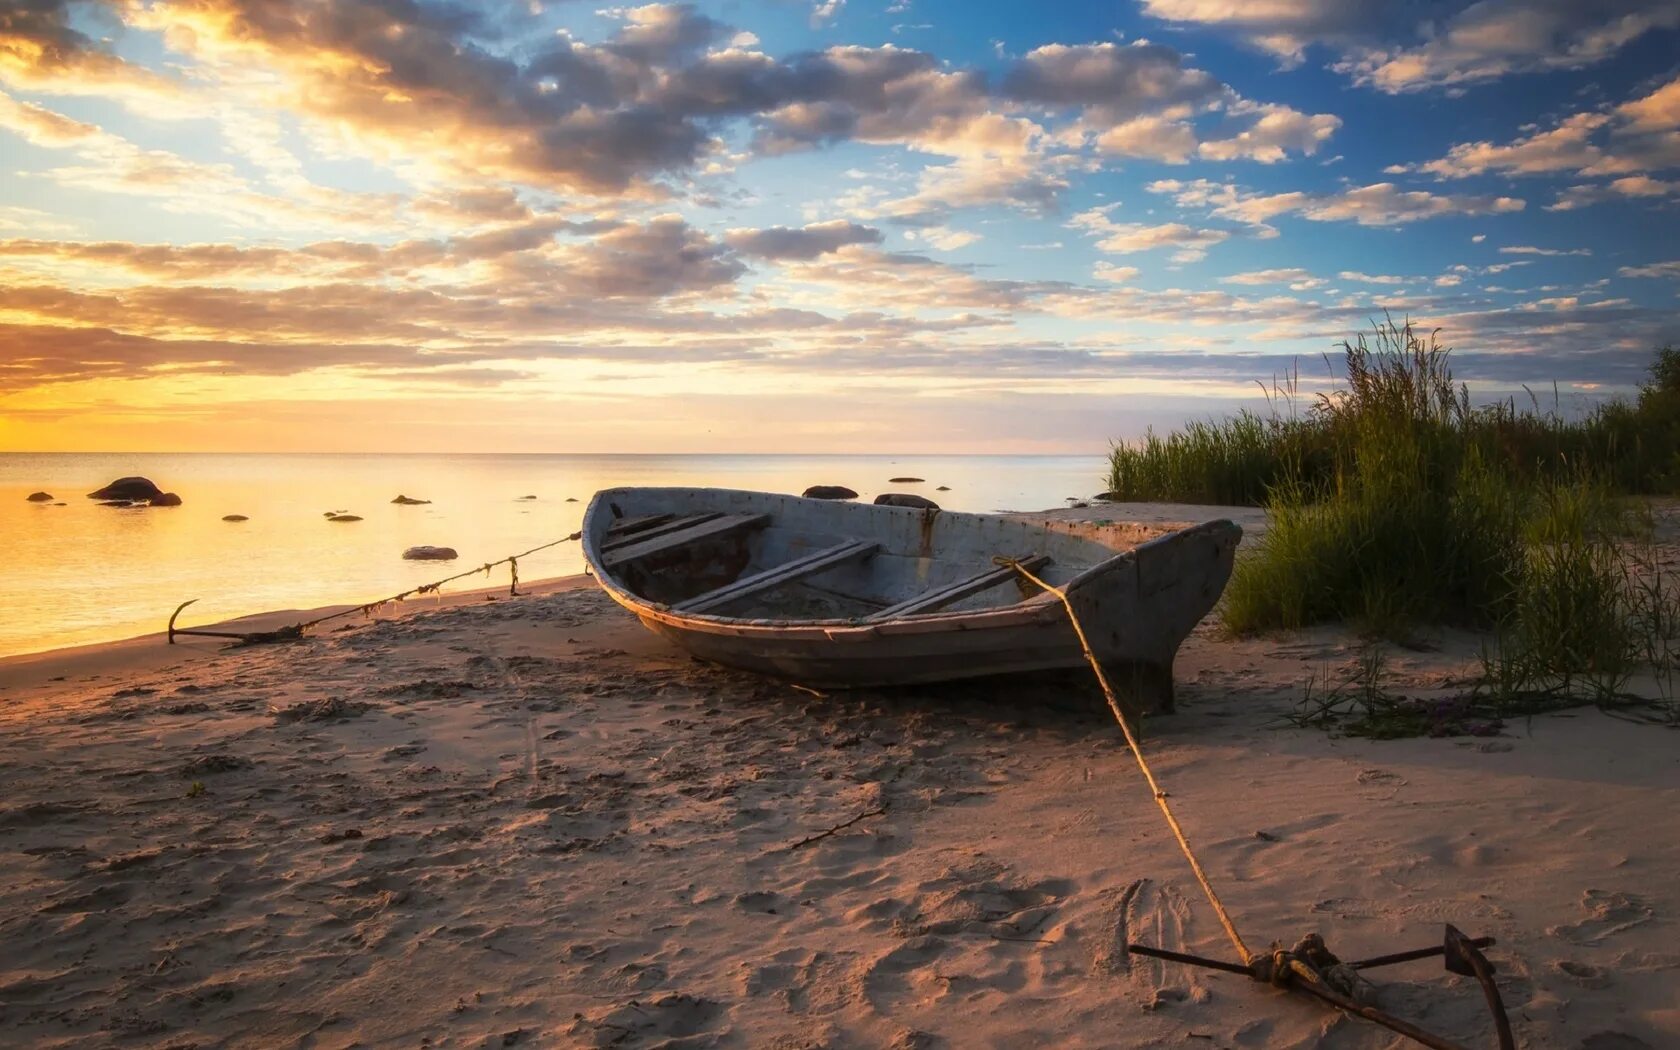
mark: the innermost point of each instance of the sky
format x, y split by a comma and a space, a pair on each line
809, 225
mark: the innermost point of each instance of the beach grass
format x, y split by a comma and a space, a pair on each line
1400, 378
1395, 504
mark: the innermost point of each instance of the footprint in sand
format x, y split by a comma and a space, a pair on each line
1584, 974
1608, 913
806, 983
670, 1020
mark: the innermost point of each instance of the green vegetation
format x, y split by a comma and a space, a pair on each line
1403, 380
1393, 503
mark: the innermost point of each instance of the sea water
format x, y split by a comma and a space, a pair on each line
83, 572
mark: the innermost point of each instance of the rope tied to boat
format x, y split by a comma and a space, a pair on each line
1309, 966
296, 630
1155, 788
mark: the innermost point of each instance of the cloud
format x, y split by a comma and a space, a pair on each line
825, 11
1529, 249
1367, 278
1632, 139
1379, 204
1670, 268
1125, 238
1397, 48
1629, 187
1297, 279
807, 242
1115, 81
41, 50
1141, 100
1275, 132
944, 238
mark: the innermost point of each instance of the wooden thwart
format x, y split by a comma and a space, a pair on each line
653, 529
809, 565
630, 526
714, 528
931, 601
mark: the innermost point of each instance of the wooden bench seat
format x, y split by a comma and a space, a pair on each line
798, 569
950, 594
710, 529
669, 524
627, 526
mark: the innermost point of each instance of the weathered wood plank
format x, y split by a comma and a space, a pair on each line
932, 601
656, 530
627, 526
715, 528
809, 565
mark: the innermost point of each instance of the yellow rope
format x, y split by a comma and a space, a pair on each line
1137, 753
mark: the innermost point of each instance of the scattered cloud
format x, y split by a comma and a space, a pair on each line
1297, 279
1125, 238
807, 242
1529, 249
1671, 268
1379, 204
1396, 48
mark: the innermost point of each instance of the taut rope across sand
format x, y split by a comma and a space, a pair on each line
1309, 966
296, 630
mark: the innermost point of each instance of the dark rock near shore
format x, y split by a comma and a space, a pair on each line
39, 497
905, 499
1110, 497
409, 501
943, 488
344, 517
527, 497
166, 499
829, 492
571, 499
235, 517
128, 489
430, 554
905, 481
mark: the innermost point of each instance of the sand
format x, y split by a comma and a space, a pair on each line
528, 822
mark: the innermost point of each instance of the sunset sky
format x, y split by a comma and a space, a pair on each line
806, 225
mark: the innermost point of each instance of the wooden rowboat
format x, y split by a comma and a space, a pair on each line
845, 594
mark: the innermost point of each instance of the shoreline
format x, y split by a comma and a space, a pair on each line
1145, 513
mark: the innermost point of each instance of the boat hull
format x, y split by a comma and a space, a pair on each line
1136, 603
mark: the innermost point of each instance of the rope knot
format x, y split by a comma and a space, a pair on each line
1309, 960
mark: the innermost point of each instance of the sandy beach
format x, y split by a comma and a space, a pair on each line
487, 821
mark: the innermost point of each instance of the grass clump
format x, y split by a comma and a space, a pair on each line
1238, 461
1394, 503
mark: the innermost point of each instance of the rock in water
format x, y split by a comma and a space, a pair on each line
829, 492
905, 499
430, 554
166, 499
905, 481
408, 501
39, 497
129, 489
235, 517
527, 497
344, 517
1111, 496
118, 503
943, 488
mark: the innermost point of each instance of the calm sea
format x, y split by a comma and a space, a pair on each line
87, 573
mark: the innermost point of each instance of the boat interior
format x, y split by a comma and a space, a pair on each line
750, 562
